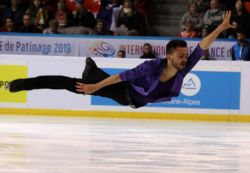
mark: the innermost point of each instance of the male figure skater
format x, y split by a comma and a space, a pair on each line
152, 81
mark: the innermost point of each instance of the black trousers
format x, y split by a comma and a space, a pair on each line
118, 92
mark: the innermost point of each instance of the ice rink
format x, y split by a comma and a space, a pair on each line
83, 145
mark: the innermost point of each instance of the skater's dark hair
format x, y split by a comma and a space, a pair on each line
173, 44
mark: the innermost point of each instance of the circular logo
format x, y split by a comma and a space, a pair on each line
191, 85
102, 49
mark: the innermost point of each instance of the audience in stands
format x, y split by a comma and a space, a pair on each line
100, 28
28, 26
8, 26
62, 14
53, 27
120, 17
205, 31
246, 4
213, 16
82, 17
141, 9
148, 52
240, 18
241, 50
14, 11
128, 17
106, 13
121, 54
188, 31
192, 15
38, 14
202, 5
51, 7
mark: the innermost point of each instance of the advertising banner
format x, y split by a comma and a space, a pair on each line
7, 74
106, 47
36, 45
100, 46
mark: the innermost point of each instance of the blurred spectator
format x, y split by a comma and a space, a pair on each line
241, 50
38, 14
232, 32
214, 16
121, 54
5, 3
100, 28
8, 26
50, 7
193, 16
227, 4
53, 27
133, 32
1, 14
246, 4
189, 31
240, 18
141, 6
27, 26
82, 17
15, 12
25, 4
41, 19
118, 3
202, 5
128, 17
205, 31
106, 12
115, 14
141, 9
62, 14
148, 52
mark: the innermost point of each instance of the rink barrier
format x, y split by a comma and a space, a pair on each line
125, 115
220, 93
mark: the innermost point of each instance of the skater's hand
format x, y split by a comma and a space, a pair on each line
226, 21
86, 88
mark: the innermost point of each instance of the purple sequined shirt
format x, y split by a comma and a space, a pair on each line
145, 79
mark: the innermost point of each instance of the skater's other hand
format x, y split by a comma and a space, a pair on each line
86, 88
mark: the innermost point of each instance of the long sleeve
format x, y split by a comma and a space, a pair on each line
143, 69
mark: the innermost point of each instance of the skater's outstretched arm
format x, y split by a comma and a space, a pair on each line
91, 88
142, 69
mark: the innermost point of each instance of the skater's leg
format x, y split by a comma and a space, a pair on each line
44, 82
116, 92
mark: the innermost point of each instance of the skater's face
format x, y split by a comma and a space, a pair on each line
179, 57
